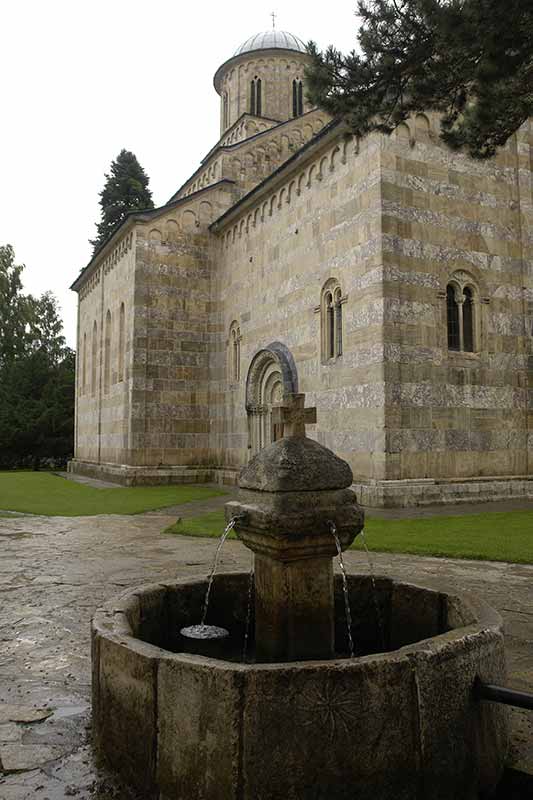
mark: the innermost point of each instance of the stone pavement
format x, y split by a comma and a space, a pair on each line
54, 573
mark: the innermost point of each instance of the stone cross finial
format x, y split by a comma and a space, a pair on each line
294, 416
273, 15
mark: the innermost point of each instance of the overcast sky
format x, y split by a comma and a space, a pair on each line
80, 81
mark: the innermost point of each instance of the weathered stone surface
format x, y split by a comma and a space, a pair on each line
463, 741
295, 464
199, 724
20, 713
294, 535
19, 757
411, 713
294, 609
289, 525
9, 732
125, 720
325, 732
415, 614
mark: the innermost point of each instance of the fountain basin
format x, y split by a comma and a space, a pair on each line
397, 724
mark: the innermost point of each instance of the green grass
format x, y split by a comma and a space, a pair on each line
205, 525
492, 536
51, 495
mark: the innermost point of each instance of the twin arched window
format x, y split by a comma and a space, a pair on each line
331, 320
234, 352
297, 98
460, 317
255, 97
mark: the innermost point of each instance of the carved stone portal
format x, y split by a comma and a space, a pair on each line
272, 380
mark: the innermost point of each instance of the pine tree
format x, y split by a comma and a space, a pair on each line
469, 60
126, 189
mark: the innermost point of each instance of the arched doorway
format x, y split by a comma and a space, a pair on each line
272, 377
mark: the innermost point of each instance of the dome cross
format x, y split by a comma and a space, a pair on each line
273, 15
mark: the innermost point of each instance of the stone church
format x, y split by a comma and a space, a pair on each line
389, 279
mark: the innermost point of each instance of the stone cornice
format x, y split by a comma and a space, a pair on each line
227, 148
253, 55
134, 217
308, 151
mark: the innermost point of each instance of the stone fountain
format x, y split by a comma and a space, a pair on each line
301, 720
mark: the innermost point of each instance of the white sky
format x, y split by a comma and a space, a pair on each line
80, 81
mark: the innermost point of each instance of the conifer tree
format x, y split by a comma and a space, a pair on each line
37, 373
126, 189
470, 60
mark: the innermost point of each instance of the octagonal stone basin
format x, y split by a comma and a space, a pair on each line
390, 725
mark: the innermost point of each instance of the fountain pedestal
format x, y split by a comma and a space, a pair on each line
291, 494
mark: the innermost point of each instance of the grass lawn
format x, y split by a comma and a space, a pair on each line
51, 495
492, 536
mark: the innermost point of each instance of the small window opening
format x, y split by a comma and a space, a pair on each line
297, 98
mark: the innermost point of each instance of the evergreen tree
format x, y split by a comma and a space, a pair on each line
126, 189
15, 309
37, 374
470, 60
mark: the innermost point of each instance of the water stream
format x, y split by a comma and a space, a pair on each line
248, 609
335, 535
374, 591
229, 527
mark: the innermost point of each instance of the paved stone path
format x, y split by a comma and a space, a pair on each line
54, 573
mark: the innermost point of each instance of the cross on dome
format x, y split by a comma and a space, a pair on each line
294, 416
273, 15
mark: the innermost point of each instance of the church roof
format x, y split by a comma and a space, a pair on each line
269, 40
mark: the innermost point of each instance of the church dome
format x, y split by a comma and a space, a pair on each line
271, 40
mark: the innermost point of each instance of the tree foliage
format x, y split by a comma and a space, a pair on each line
469, 60
37, 372
126, 189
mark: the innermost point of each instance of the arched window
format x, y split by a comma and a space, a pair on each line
225, 109
331, 320
84, 365
121, 343
234, 355
107, 352
255, 97
337, 299
461, 314
452, 311
93, 358
297, 98
468, 320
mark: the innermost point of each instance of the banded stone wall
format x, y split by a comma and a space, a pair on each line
323, 221
169, 411
456, 414
102, 415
